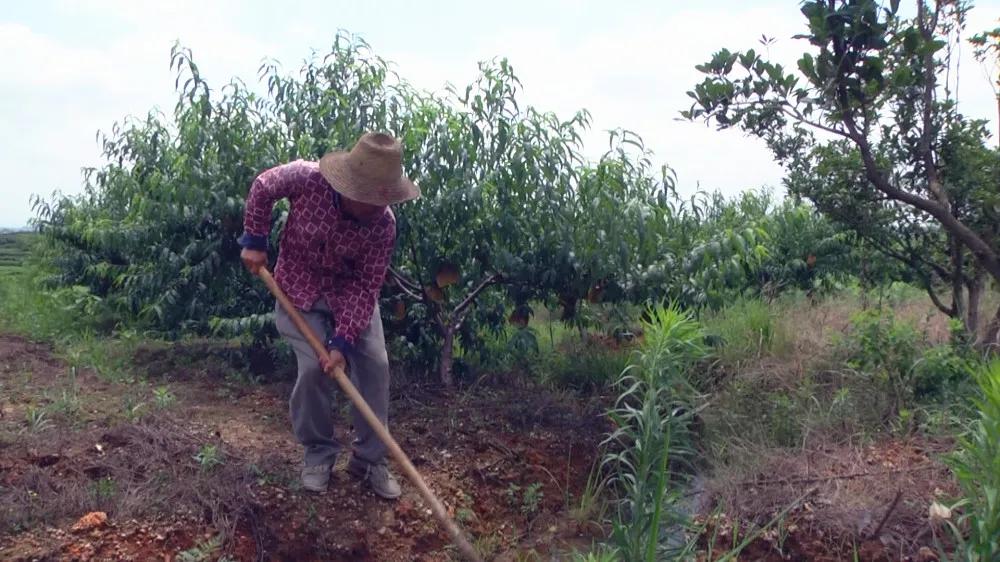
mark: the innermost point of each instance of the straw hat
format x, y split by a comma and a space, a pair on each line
372, 172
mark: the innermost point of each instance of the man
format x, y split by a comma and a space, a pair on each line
334, 252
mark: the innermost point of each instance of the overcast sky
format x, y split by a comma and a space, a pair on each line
72, 67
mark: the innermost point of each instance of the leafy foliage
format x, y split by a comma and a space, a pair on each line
863, 134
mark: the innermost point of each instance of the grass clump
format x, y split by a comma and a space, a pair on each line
745, 331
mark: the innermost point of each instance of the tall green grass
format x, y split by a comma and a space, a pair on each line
26, 308
69, 317
745, 331
553, 353
976, 465
585, 368
15, 249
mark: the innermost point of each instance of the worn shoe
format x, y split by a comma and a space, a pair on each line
316, 478
378, 477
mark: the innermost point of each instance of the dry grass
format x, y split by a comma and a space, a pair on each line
799, 388
817, 328
807, 334
799, 420
134, 470
852, 489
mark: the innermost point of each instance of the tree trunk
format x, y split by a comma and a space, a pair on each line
447, 358
975, 288
957, 278
991, 340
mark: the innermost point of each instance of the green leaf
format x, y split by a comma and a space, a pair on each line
807, 66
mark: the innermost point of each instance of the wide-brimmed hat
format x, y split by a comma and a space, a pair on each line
372, 172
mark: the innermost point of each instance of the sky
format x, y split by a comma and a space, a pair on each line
74, 67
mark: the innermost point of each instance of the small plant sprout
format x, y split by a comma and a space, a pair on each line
132, 409
163, 398
527, 500
209, 456
103, 489
531, 499
37, 419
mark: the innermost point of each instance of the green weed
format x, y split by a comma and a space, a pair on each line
209, 457
527, 500
133, 408
103, 489
202, 552
976, 465
163, 398
37, 419
651, 421
66, 404
465, 515
487, 546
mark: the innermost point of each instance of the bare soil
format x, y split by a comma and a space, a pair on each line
214, 473
843, 503
145, 469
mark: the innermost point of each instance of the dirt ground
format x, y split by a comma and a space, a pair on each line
196, 464
145, 467
840, 503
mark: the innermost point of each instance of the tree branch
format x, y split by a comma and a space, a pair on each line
795, 114
914, 260
405, 285
458, 315
985, 253
957, 259
401, 279
912, 257
951, 311
888, 512
925, 152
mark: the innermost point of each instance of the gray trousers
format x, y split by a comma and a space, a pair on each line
311, 403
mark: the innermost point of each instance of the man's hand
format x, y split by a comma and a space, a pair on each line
333, 361
253, 259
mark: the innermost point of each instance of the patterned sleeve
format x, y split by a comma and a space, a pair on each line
361, 292
270, 186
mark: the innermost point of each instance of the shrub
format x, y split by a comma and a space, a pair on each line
941, 369
885, 350
894, 355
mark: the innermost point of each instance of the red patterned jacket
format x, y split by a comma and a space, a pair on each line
323, 252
